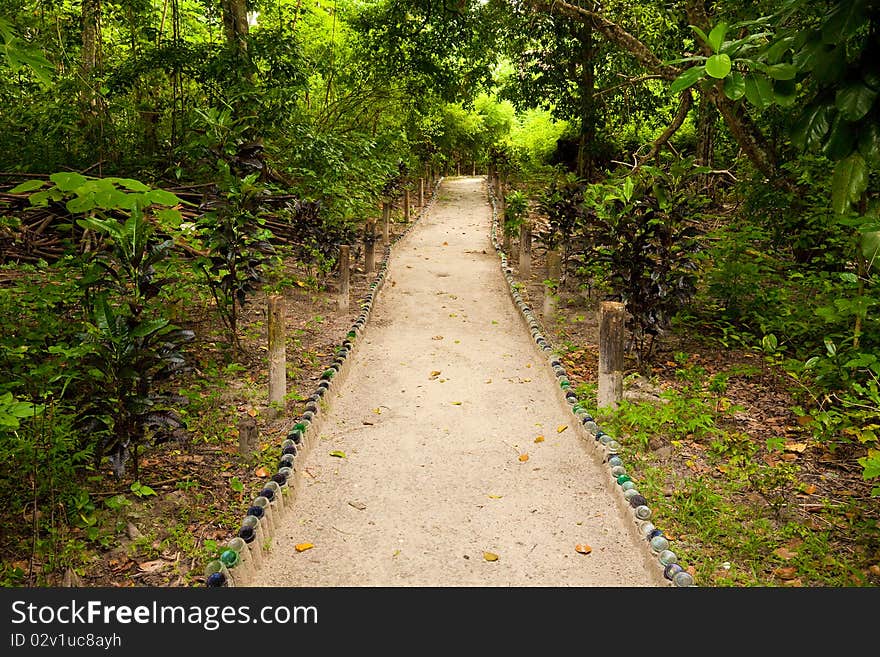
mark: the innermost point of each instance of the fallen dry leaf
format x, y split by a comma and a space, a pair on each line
152, 566
434, 374
252, 412
490, 556
583, 548
874, 570
302, 547
809, 490
796, 582
262, 471
523, 457
561, 428
456, 403
360, 506
437, 337
787, 572
539, 439
789, 457
495, 497
784, 553
796, 447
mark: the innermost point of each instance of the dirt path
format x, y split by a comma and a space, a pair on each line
432, 476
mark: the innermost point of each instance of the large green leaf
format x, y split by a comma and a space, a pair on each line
871, 246
784, 92
687, 79
735, 86
131, 184
716, 38
27, 186
148, 327
812, 126
830, 65
759, 90
68, 181
869, 143
718, 66
843, 21
841, 139
848, 183
855, 100
161, 197
782, 71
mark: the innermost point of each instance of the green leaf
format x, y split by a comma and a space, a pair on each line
843, 21
700, 33
871, 246
236, 485
759, 91
841, 139
718, 66
854, 101
161, 197
716, 39
149, 327
812, 126
131, 184
687, 79
782, 71
830, 65
870, 465
869, 144
27, 186
81, 204
735, 86
784, 92
849, 181
68, 182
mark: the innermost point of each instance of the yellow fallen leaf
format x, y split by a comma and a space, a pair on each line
523, 457
252, 412
338, 453
262, 472
490, 556
796, 447
377, 411
539, 439
583, 548
495, 497
456, 403
434, 374
561, 428
302, 547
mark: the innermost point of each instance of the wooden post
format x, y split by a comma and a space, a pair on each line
421, 193
342, 301
386, 223
277, 358
370, 246
612, 316
248, 436
525, 249
406, 206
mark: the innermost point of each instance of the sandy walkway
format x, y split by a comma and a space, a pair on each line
432, 477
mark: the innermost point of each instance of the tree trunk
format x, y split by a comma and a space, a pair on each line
586, 163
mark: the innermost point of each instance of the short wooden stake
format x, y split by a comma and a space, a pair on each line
421, 193
612, 317
386, 223
525, 250
277, 358
248, 437
370, 247
406, 206
342, 301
